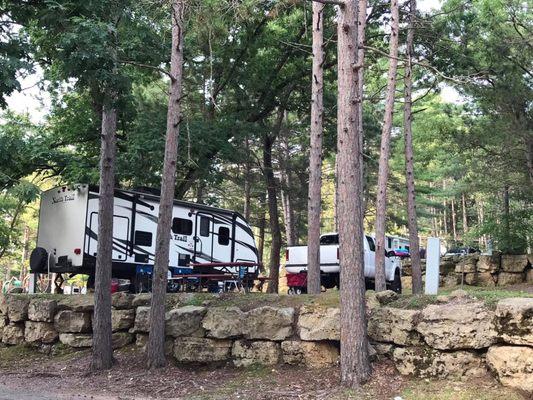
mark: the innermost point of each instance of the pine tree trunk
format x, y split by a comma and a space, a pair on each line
454, 222
25, 251
361, 25
409, 160
156, 340
506, 220
383, 172
286, 197
355, 367
262, 227
465, 214
315, 155
247, 182
102, 355
275, 230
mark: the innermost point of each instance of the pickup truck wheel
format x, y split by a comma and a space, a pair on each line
396, 284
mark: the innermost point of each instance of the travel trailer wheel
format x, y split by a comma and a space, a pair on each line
39, 260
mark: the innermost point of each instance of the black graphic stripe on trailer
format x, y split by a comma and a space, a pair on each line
123, 246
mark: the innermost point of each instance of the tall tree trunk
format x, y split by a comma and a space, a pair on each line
288, 212
454, 221
286, 197
482, 222
25, 250
361, 25
409, 161
275, 248
506, 221
529, 155
355, 367
336, 197
445, 210
465, 214
383, 173
102, 354
262, 226
156, 340
200, 186
315, 155
247, 180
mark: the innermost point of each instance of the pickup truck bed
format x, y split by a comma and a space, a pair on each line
296, 262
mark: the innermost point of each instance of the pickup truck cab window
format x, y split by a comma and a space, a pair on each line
329, 239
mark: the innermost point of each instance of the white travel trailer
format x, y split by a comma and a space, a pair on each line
68, 227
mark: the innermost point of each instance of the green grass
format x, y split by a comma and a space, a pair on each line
450, 390
490, 296
11, 354
330, 299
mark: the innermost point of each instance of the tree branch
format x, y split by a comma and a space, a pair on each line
163, 71
425, 65
334, 2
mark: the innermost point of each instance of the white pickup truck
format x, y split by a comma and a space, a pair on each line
296, 265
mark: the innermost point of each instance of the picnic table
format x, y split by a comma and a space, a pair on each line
234, 275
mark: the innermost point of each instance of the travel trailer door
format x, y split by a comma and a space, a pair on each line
121, 228
203, 238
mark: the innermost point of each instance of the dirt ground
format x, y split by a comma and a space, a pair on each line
25, 375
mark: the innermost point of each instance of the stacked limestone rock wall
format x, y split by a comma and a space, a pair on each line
458, 336
495, 270
479, 270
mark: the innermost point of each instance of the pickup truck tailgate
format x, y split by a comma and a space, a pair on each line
296, 258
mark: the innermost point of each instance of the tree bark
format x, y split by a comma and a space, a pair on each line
156, 340
383, 172
361, 25
506, 220
465, 214
409, 159
355, 367
289, 215
262, 226
315, 155
454, 221
247, 180
25, 251
275, 248
102, 354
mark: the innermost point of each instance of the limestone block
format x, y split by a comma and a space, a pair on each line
458, 326
246, 353
40, 332
224, 323
267, 322
309, 354
513, 365
514, 320
42, 309
185, 321
122, 319
394, 325
67, 321
316, 323
201, 350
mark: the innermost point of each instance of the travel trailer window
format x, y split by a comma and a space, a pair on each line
204, 226
143, 238
389, 241
223, 236
182, 226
